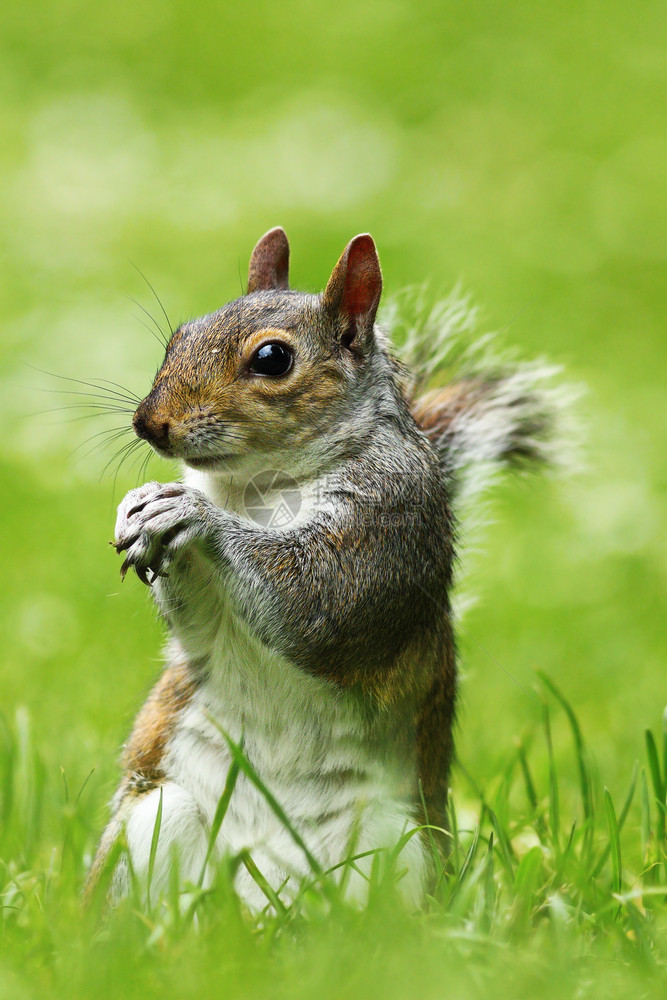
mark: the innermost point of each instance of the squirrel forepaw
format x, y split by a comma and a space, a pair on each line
154, 523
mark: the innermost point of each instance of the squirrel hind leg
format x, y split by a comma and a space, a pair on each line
181, 833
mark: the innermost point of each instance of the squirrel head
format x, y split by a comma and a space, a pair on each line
274, 372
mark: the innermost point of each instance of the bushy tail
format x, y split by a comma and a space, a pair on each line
480, 423
492, 411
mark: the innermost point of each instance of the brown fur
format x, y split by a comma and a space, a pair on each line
528, 415
435, 411
142, 757
205, 381
269, 264
144, 751
435, 741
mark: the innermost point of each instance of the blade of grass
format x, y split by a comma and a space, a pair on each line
83, 787
65, 785
468, 860
647, 832
650, 873
407, 836
654, 766
582, 764
506, 851
531, 794
249, 771
352, 842
621, 820
528, 875
154, 842
455, 855
658, 786
350, 859
501, 805
260, 880
220, 813
489, 887
614, 841
554, 804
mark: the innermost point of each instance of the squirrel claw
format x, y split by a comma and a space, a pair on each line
142, 572
157, 571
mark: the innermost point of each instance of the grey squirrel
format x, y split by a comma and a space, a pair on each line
324, 642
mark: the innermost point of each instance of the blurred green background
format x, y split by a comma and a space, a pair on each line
519, 148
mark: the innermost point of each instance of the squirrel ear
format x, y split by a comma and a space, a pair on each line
269, 263
354, 290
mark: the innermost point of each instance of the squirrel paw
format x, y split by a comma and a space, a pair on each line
155, 522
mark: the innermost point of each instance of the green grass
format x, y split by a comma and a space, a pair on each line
550, 886
518, 147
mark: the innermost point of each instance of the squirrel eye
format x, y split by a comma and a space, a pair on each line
272, 359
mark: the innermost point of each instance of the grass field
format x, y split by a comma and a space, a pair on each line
518, 149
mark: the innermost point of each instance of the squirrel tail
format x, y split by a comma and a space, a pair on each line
481, 423
493, 412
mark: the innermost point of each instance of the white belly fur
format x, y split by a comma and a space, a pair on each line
306, 741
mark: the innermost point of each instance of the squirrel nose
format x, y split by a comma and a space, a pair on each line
152, 429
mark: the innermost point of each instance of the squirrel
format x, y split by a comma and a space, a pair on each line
322, 641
